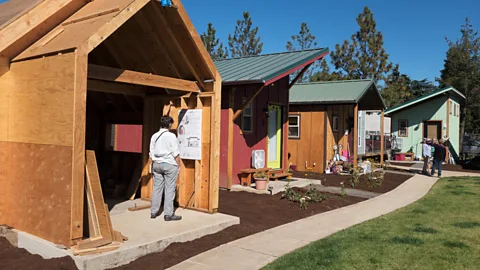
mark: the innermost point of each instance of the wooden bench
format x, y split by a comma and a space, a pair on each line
246, 175
276, 175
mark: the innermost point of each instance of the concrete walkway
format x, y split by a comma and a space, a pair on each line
445, 173
256, 251
348, 191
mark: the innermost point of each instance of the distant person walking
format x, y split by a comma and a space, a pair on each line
165, 166
438, 156
427, 154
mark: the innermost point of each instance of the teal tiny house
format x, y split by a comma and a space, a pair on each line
435, 116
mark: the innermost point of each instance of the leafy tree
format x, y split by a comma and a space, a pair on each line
462, 71
213, 44
397, 90
364, 56
304, 40
245, 41
324, 74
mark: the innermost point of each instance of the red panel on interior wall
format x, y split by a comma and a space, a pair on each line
128, 138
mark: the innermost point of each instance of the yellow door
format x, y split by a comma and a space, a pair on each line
274, 137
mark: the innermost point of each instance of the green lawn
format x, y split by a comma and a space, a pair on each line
441, 231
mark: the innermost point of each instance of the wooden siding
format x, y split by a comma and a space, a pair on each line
317, 138
245, 142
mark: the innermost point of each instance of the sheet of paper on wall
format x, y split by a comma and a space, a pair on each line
190, 134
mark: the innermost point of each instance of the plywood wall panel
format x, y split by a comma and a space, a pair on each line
40, 190
41, 100
4, 100
317, 148
4, 188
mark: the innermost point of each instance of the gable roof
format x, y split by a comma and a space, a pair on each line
338, 92
265, 68
425, 98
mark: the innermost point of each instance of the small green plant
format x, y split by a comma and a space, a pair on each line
375, 177
312, 195
355, 178
260, 175
343, 193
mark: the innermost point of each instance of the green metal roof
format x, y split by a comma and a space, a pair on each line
264, 68
424, 98
336, 92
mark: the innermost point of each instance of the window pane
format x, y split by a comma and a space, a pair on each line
335, 123
293, 120
293, 132
247, 124
248, 110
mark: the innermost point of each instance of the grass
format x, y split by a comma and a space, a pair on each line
440, 231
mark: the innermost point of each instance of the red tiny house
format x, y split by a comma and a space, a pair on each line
255, 107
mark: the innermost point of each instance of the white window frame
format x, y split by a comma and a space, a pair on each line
335, 126
244, 115
294, 126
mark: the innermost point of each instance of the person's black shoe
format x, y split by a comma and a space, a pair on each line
153, 216
172, 218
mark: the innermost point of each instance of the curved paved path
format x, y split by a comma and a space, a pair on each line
256, 251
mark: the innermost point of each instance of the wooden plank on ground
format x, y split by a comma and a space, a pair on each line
90, 251
93, 180
141, 207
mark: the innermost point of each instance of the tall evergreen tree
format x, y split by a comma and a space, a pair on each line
213, 44
304, 40
244, 41
462, 71
364, 56
323, 74
396, 90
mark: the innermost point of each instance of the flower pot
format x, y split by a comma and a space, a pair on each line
293, 167
260, 183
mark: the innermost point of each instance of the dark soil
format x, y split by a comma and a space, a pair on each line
18, 258
390, 181
257, 213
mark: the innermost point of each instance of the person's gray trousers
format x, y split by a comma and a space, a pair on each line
165, 178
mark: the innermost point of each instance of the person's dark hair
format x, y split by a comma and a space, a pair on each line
166, 121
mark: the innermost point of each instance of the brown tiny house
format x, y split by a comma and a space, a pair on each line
77, 67
325, 114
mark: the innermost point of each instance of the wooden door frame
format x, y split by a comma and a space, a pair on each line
432, 121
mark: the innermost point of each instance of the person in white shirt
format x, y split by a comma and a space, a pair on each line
165, 167
427, 155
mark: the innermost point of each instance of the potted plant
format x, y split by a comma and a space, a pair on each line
260, 180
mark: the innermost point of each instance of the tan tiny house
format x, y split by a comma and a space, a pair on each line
71, 67
323, 115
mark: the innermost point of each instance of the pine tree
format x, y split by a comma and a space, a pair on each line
304, 40
364, 56
213, 44
462, 71
244, 41
397, 90
324, 74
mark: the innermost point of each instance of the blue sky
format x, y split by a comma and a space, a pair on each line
414, 31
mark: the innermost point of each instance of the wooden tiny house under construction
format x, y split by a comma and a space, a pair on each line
72, 67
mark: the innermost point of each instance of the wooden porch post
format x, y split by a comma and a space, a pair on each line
230, 138
382, 137
355, 136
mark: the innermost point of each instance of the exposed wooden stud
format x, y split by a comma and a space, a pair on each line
114, 88
299, 75
148, 125
78, 157
382, 137
139, 78
231, 108
238, 112
215, 146
91, 16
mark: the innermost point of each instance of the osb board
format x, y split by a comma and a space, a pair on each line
74, 34
13, 9
41, 100
40, 178
4, 188
4, 96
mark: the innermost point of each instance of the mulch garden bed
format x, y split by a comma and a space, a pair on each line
447, 167
257, 213
390, 181
402, 164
